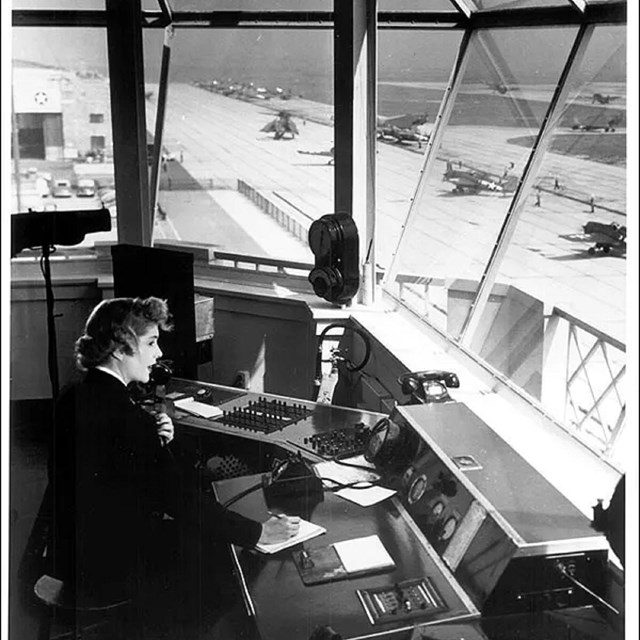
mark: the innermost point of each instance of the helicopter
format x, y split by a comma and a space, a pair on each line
470, 180
602, 99
402, 128
282, 125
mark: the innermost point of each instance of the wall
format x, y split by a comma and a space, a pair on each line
29, 373
272, 339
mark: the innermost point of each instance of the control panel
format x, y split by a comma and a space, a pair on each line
265, 415
509, 537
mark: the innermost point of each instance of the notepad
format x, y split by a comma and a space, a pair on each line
198, 408
343, 560
363, 555
307, 531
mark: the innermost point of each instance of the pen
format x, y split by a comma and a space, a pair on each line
277, 515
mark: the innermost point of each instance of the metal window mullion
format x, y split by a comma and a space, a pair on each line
466, 7
580, 5
160, 111
446, 106
530, 172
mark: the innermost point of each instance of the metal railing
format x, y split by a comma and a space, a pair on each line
594, 403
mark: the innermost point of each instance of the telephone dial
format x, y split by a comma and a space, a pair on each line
424, 387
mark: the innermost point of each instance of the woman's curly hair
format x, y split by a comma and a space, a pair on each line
117, 324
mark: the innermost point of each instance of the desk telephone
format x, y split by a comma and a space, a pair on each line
423, 387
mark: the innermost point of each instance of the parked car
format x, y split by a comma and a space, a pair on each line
86, 188
62, 189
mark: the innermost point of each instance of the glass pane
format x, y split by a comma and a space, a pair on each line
410, 88
568, 254
62, 144
243, 5
452, 227
248, 138
58, 4
416, 5
518, 4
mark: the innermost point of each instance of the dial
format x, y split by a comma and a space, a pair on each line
417, 489
437, 509
448, 528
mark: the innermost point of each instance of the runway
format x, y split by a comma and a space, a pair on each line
450, 236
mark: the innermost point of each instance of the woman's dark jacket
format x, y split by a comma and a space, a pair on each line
112, 482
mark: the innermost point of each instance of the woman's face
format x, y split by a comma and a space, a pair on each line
137, 367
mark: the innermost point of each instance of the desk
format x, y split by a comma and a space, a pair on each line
284, 607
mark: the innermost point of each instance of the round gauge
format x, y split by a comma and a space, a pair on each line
437, 509
417, 489
448, 528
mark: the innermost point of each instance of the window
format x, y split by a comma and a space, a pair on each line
502, 246
247, 138
55, 126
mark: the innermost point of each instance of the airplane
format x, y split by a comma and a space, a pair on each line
329, 153
610, 126
402, 128
472, 180
281, 125
499, 87
605, 236
602, 99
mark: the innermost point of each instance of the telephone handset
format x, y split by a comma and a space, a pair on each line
428, 386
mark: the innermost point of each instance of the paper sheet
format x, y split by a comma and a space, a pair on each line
363, 554
366, 497
198, 408
345, 474
307, 531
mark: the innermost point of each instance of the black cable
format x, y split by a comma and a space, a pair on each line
242, 494
561, 568
350, 365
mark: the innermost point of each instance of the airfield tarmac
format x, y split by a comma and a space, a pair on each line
219, 140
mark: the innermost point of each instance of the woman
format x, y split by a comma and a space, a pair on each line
119, 494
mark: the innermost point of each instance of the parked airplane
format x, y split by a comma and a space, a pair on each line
609, 126
499, 87
470, 180
602, 99
402, 128
281, 125
329, 153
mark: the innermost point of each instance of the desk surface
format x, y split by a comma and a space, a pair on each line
285, 608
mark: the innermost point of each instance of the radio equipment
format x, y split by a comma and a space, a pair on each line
513, 542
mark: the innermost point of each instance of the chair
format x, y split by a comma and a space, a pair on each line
80, 616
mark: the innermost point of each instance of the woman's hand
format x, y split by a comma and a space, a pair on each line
279, 528
164, 427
